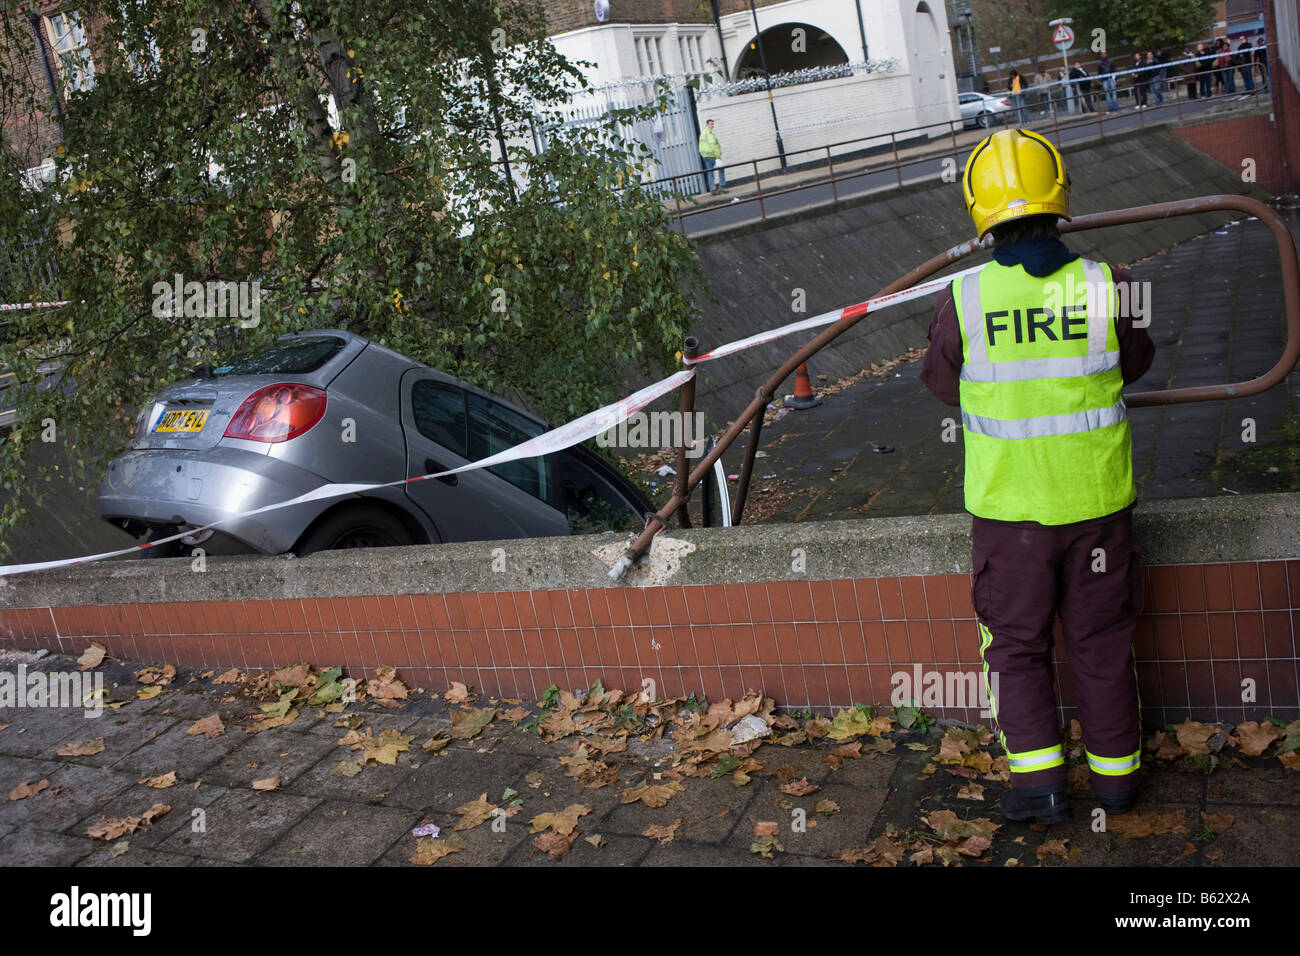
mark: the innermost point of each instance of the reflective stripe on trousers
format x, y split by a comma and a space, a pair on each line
1115, 766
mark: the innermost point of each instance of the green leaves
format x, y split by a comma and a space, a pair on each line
221, 164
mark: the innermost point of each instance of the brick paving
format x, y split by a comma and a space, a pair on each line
320, 817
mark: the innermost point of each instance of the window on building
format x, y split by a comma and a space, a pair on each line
72, 50
692, 52
649, 55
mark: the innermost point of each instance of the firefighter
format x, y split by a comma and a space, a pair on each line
1035, 351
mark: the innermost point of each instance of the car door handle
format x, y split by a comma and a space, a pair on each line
432, 467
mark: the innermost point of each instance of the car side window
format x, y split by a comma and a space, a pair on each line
591, 504
439, 413
494, 428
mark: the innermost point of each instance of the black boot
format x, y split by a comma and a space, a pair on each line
1117, 801
1052, 806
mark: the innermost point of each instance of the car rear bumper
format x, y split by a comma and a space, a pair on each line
175, 488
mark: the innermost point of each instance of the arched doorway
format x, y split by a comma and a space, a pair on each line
789, 47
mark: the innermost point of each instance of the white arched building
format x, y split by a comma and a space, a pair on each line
858, 93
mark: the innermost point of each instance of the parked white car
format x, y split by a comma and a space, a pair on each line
983, 110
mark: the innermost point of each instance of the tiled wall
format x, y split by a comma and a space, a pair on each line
819, 644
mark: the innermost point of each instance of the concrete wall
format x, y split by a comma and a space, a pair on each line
816, 615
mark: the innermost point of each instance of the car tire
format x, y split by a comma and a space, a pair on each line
361, 526
172, 549
984, 122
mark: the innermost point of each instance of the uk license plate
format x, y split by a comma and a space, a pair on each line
181, 421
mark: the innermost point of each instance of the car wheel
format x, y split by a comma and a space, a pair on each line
363, 526
984, 120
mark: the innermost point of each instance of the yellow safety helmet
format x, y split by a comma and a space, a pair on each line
1014, 173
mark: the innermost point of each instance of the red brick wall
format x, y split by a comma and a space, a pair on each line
819, 644
1249, 137
1272, 141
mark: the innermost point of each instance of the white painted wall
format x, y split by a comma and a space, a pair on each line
920, 90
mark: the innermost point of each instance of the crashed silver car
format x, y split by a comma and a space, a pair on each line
328, 406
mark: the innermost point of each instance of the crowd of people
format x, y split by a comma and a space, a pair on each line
1207, 70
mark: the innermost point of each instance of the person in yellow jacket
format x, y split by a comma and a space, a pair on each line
711, 154
1034, 349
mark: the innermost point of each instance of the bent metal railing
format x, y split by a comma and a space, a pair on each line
752, 416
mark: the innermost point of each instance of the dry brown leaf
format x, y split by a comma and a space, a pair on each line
436, 743
82, 748
563, 821
981, 760
555, 845
1218, 822
1290, 759
148, 693
468, 724
161, 782
210, 726
297, 676
1165, 746
972, 791
229, 677
664, 834
92, 656
516, 714
799, 788
385, 688
953, 747
1053, 848
595, 840
974, 846
826, 807
817, 727
473, 813
1193, 734
112, 829
1254, 738
268, 783
28, 789
155, 675
430, 851
458, 693
652, 795
766, 828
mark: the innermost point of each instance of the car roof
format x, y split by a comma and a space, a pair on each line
373, 353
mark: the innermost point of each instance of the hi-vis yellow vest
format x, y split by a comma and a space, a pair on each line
1046, 431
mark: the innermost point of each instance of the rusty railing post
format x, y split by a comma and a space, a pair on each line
830, 166
686, 411
758, 185
893, 140
751, 451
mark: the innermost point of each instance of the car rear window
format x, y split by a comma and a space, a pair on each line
295, 356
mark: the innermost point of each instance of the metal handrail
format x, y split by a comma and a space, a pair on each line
753, 413
1097, 118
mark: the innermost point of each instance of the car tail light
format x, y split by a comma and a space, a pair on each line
1004, 102
277, 413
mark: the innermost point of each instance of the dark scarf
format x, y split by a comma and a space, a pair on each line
1040, 257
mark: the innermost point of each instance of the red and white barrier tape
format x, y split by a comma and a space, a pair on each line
16, 306
829, 318
557, 439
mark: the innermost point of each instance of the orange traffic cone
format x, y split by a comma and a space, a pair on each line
803, 396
